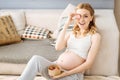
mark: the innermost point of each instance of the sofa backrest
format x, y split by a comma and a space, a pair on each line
47, 18
43, 18
107, 59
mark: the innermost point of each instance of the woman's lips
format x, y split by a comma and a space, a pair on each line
81, 23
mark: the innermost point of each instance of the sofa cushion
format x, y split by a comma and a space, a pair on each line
8, 33
62, 19
23, 51
69, 9
18, 18
62, 22
34, 32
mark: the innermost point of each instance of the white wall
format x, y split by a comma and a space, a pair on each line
52, 3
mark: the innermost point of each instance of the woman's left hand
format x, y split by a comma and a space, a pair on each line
61, 75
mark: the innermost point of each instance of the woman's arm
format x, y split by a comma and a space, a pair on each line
62, 38
96, 39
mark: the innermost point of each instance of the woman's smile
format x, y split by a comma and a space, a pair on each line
81, 23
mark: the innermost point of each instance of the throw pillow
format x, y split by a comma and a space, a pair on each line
62, 22
8, 33
34, 32
69, 9
63, 17
18, 18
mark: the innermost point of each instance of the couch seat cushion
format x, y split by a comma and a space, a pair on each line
23, 51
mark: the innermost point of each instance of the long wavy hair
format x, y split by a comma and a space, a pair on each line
92, 29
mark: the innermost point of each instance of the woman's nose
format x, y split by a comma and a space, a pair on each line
81, 19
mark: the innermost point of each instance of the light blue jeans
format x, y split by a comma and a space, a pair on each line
40, 64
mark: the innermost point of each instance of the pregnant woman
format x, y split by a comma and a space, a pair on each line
82, 45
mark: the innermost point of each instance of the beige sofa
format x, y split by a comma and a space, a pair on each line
106, 64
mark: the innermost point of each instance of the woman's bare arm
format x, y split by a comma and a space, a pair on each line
62, 38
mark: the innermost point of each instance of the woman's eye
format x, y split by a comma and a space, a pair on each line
85, 16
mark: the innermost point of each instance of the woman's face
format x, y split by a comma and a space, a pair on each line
83, 18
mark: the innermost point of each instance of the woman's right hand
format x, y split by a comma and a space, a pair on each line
71, 16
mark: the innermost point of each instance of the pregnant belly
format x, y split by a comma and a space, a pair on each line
69, 60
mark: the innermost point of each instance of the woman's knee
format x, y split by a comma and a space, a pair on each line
36, 57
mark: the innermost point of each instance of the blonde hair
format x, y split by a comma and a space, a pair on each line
92, 29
